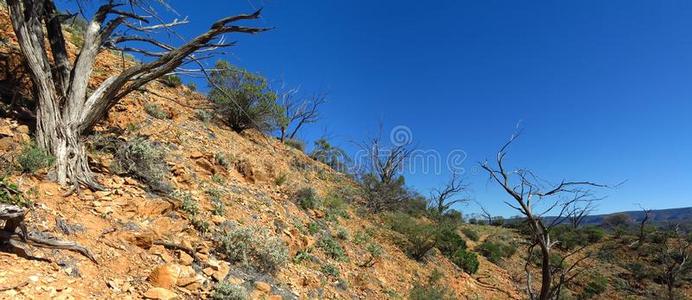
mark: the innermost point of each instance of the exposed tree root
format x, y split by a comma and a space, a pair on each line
16, 234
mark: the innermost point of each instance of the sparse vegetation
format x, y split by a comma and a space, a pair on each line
471, 234
330, 270
227, 291
32, 158
332, 248
144, 160
155, 110
432, 289
332, 156
307, 198
254, 247
171, 80
243, 99
466, 260
295, 143
495, 250
10, 194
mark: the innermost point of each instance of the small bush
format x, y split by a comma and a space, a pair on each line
448, 241
330, 270
336, 207
227, 291
471, 234
496, 250
313, 227
171, 80
466, 260
430, 290
10, 194
361, 237
418, 237
596, 286
32, 158
156, 111
295, 143
243, 99
189, 204
281, 179
143, 160
203, 115
342, 234
192, 86
307, 198
254, 247
332, 248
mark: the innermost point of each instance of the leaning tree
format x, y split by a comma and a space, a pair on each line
66, 108
535, 199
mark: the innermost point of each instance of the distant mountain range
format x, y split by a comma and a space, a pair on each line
660, 216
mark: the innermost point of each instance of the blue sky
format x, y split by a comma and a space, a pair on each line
601, 88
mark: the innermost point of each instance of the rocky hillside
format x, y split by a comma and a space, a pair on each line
150, 244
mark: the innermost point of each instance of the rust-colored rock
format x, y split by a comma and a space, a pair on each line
165, 276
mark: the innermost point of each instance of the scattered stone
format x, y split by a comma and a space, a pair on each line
185, 259
196, 154
263, 286
160, 294
164, 276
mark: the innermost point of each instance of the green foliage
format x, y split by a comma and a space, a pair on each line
189, 204
496, 250
295, 143
330, 270
243, 99
222, 160
218, 207
307, 198
332, 248
10, 194
192, 86
342, 234
203, 115
497, 221
145, 161
596, 286
361, 237
156, 111
374, 250
227, 291
171, 80
254, 247
448, 241
390, 196
466, 260
32, 158
433, 289
302, 255
281, 179
570, 238
417, 237
332, 156
336, 207
616, 221
471, 234
313, 228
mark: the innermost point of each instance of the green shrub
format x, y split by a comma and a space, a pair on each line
336, 207
596, 286
361, 237
189, 204
307, 198
418, 237
332, 248
330, 155
192, 86
496, 250
243, 99
10, 194
570, 238
281, 179
466, 260
227, 291
471, 234
330, 270
448, 241
171, 80
145, 161
295, 143
32, 158
254, 247
430, 290
203, 115
342, 234
156, 111
313, 228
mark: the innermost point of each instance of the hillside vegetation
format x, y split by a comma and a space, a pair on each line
200, 204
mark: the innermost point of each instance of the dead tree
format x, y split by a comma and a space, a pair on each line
381, 177
441, 199
299, 113
582, 205
527, 190
674, 259
642, 224
485, 213
66, 108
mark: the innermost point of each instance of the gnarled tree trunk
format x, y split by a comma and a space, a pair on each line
65, 108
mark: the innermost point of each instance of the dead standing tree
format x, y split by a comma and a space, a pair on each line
441, 199
299, 113
527, 190
66, 108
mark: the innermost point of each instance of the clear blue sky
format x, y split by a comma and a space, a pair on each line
603, 89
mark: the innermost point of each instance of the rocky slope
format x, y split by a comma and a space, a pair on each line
144, 243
